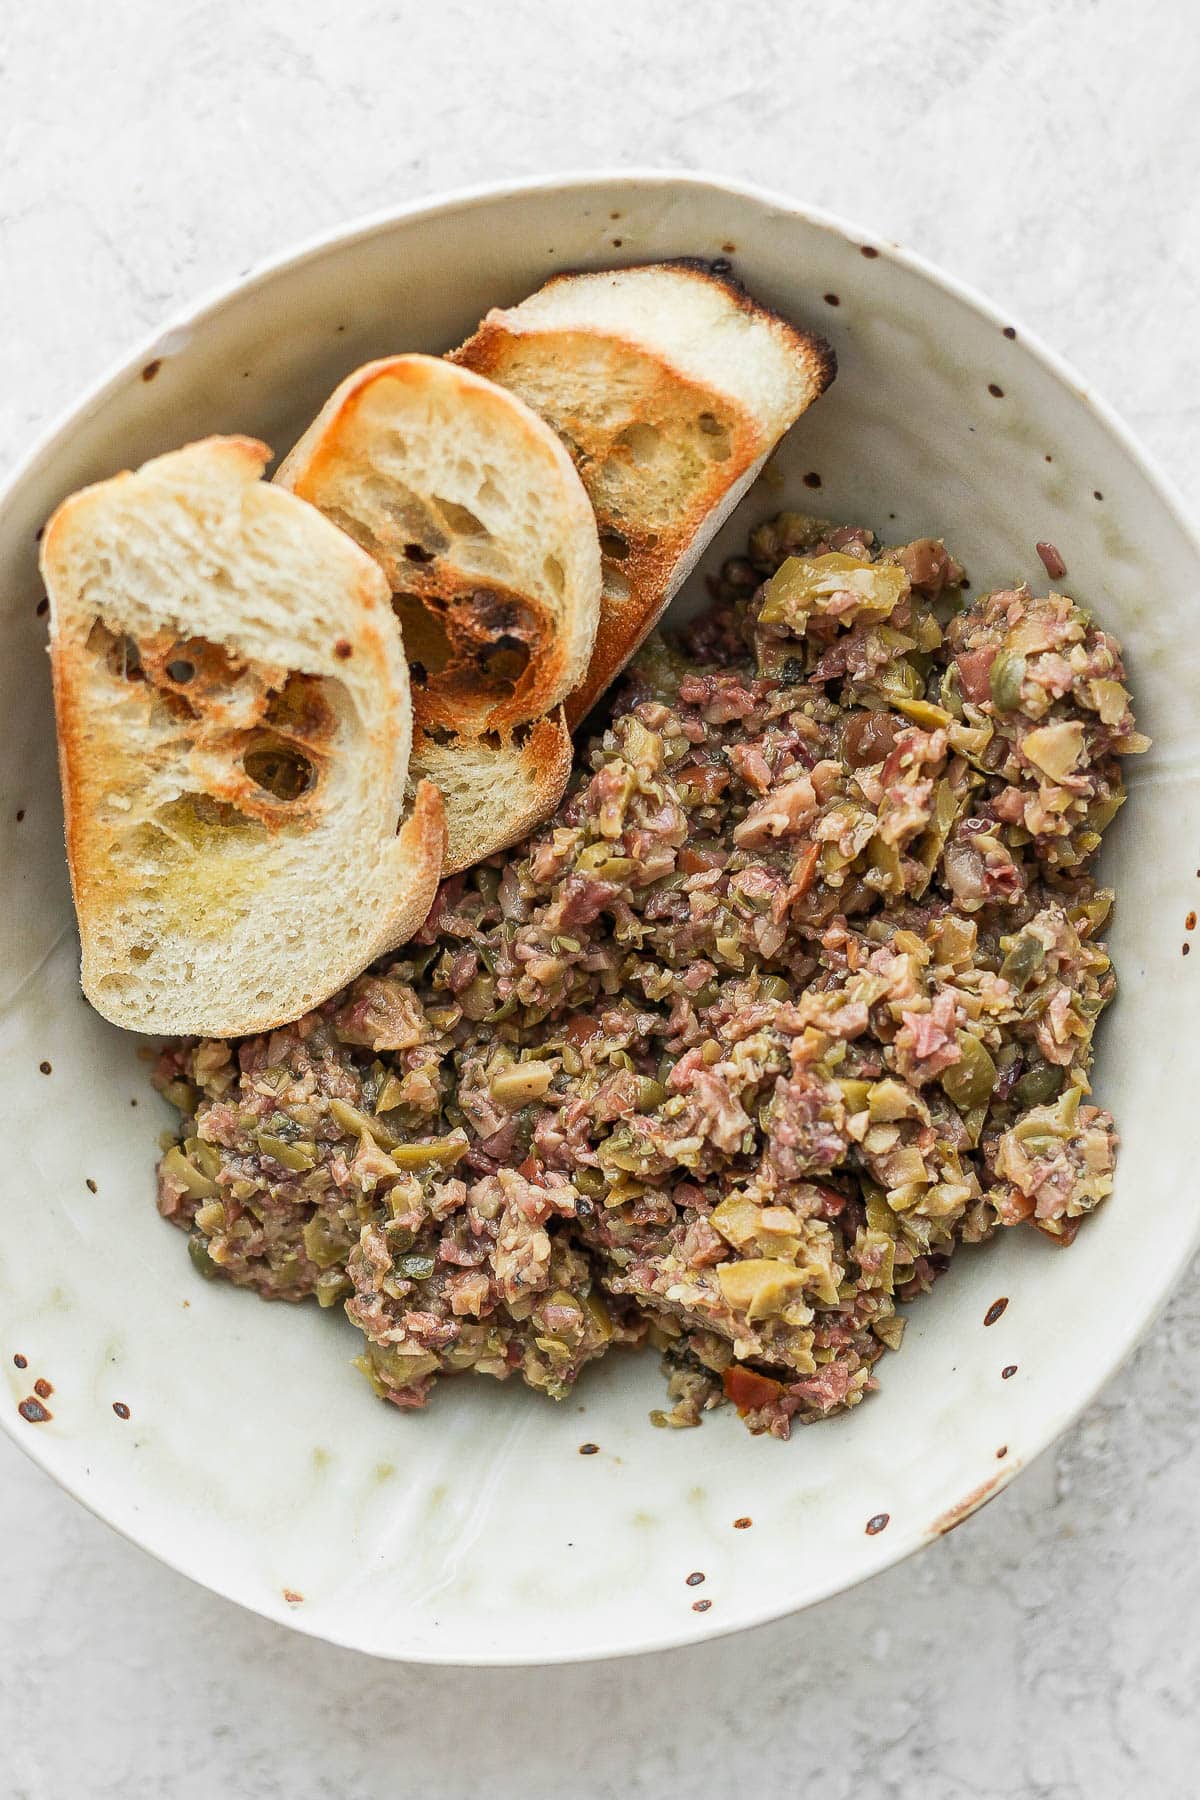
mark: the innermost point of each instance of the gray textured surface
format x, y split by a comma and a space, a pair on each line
151, 148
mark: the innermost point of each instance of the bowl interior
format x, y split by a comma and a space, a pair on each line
254, 1457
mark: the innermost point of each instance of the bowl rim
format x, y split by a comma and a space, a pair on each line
193, 313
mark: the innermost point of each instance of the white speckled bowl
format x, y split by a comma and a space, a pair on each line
254, 1458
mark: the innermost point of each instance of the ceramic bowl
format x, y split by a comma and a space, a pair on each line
253, 1457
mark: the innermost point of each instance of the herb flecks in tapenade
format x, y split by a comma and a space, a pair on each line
795, 994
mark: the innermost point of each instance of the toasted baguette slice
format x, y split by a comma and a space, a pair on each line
234, 729
670, 386
476, 515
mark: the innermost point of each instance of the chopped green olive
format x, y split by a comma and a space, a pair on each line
1023, 961
970, 1081
521, 1081
196, 1184
183, 1095
441, 1153
297, 1157
1004, 678
803, 583
1038, 1086
357, 1124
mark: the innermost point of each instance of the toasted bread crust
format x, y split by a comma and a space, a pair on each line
817, 353
497, 587
661, 396
530, 769
203, 742
468, 610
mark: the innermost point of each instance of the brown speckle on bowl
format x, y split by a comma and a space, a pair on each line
33, 1412
743, 1524
955, 1515
588, 1449
695, 1578
615, 215
22, 1362
995, 1309
1096, 494
1007, 1373
1009, 331
20, 814
1185, 949
45, 1068
89, 1184
1052, 560
39, 534
868, 250
42, 607
730, 249
1001, 1452
701, 1605
617, 242
1189, 924
812, 479
292, 1597
832, 300
43, 1388
1047, 457
877, 1524
151, 369
995, 390
120, 1408
341, 328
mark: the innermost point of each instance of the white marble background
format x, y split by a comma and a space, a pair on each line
1046, 150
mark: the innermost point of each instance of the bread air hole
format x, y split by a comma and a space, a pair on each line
613, 545
280, 770
194, 822
615, 585
505, 662
117, 650
460, 519
641, 441
714, 437
485, 633
555, 575
426, 644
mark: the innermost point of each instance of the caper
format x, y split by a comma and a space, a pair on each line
649, 1094
1038, 1086
414, 1267
202, 1262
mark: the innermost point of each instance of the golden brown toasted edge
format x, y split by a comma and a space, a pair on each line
818, 353
543, 762
459, 697
416, 851
650, 559
422, 839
